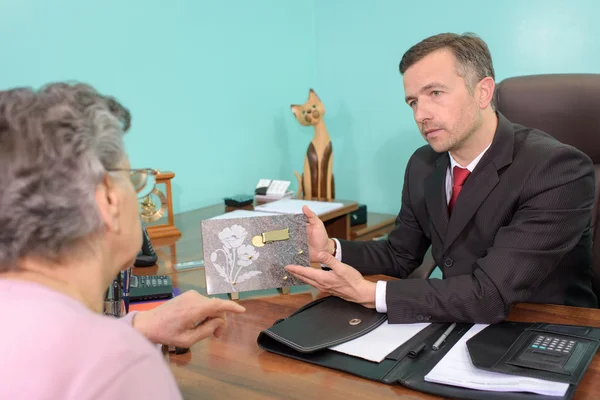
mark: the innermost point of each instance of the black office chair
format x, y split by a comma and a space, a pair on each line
566, 106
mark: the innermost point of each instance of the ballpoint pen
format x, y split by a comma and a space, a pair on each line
447, 332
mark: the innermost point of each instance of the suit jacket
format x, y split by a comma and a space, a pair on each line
520, 231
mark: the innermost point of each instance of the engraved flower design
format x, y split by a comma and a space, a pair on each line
234, 254
246, 254
233, 237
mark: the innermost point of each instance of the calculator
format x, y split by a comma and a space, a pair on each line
549, 353
151, 287
553, 345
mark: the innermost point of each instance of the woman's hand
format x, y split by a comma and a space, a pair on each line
185, 319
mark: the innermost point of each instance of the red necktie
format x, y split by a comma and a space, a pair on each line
460, 176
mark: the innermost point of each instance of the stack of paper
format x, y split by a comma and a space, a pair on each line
242, 214
290, 206
274, 187
456, 369
267, 198
275, 190
381, 341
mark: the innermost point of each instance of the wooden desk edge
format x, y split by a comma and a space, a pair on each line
339, 212
362, 230
230, 358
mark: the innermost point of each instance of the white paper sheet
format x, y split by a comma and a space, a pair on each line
294, 206
242, 214
278, 188
456, 369
380, 342
263, 183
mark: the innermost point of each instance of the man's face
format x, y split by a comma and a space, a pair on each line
446, 112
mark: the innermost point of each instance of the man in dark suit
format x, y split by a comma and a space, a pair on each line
506, 209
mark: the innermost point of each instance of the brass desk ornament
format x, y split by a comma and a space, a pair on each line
156, 209
150, 212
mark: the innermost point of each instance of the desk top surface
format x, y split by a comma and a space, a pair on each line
233, 366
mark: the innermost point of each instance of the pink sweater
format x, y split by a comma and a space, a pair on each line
55, 348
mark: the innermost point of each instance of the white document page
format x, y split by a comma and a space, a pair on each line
243, 214
263, 183
278, 188
293, 206
456, 369
380, 342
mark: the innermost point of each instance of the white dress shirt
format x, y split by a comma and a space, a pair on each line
380, 291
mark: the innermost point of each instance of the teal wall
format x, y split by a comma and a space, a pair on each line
360, 47
210, 83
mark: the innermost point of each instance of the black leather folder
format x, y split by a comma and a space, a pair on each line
307, 334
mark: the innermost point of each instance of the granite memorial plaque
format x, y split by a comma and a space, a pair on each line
244, 254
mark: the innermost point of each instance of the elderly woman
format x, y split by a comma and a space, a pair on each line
68, 224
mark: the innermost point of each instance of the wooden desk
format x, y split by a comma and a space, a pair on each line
377, 225
235, 367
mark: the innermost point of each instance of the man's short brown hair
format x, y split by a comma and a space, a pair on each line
472, 54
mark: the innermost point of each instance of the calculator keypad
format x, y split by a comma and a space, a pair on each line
151, 281
553, 344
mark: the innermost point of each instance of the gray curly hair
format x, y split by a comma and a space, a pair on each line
56, 145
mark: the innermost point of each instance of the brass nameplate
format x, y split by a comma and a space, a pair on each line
272, 236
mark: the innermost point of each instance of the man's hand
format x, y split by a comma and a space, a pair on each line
185, 320
318, 240
342, 281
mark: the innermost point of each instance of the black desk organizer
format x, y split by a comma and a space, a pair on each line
498, 348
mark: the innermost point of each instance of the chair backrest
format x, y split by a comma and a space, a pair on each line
566, 106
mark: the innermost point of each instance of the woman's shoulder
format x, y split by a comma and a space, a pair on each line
45, 319
66, 348
116, 361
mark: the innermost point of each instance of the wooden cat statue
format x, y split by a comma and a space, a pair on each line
316, 182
